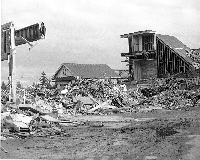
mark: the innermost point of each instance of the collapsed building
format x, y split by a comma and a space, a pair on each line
154, 55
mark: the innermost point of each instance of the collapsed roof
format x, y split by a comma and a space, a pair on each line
181, 49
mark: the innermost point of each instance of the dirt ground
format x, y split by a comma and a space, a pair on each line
167, 135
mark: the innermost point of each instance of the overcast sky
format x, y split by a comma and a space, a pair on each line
88, 31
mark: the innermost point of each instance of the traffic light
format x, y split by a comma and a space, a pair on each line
31, 33
5, 44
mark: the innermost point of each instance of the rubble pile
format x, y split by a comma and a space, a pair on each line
42, 111
175, 99
4, 96
195, 56
169, 95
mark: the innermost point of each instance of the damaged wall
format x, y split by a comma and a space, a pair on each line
172, 56
145, 69
169, 62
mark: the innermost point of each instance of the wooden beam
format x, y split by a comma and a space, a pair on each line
161, 53
126, 55
168, 69
124, 36
130, 44
164, 55
6, 26
171, 58
178, 64
157, 50
164, 48
154, 42
184, 67
174, 63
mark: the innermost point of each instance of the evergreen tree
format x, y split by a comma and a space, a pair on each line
19, 84
3, 86
44, 81
33, 84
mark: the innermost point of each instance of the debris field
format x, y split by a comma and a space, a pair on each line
101, 120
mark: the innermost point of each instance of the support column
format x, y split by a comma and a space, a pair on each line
12, 66
130, 44
140, 42
154, 42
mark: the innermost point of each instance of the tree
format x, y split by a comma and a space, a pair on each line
19, 84
3, 86
44, 81
35, 85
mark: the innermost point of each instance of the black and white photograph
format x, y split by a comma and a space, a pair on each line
100, 79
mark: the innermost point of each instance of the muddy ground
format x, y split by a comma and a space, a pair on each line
171, 135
